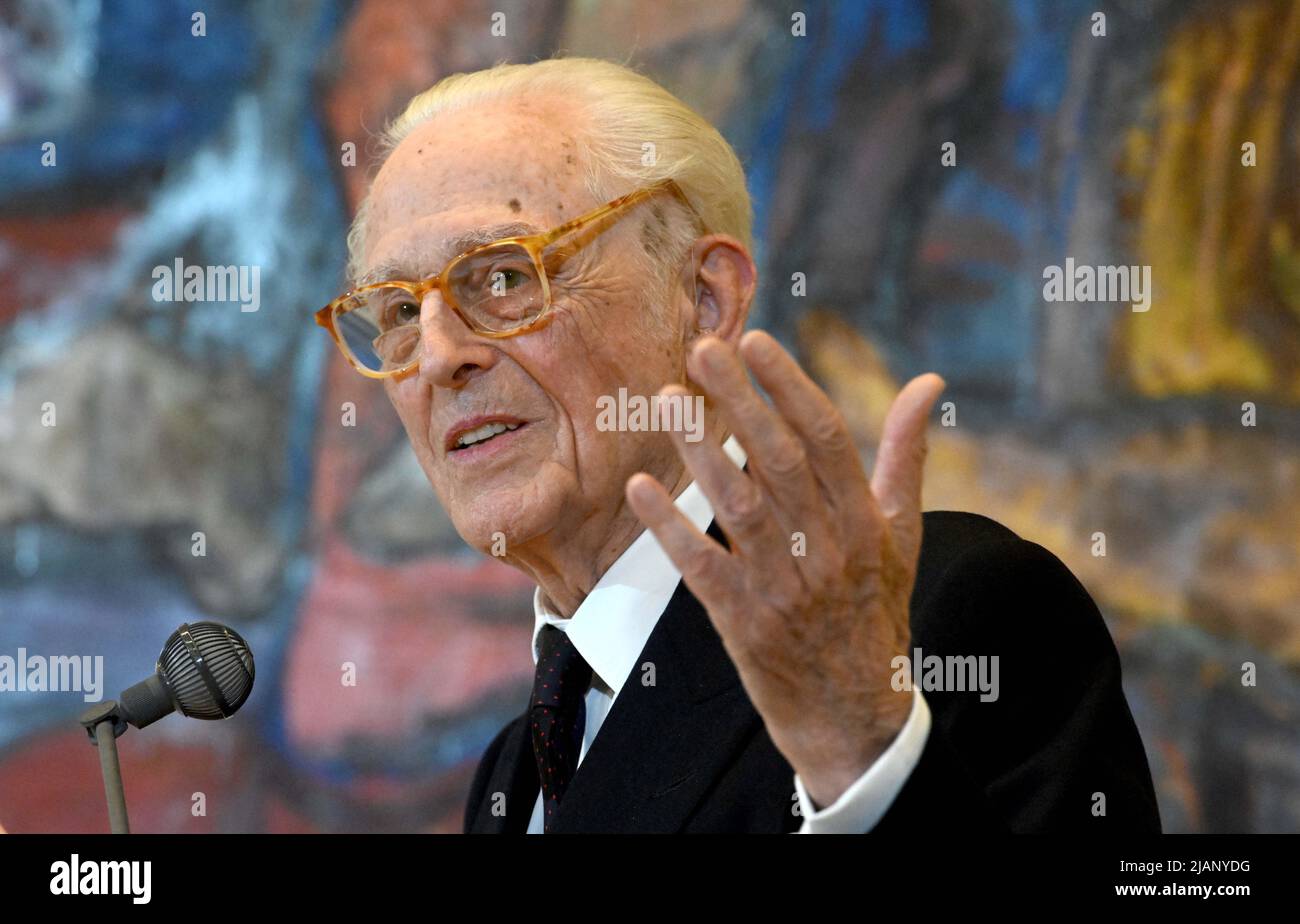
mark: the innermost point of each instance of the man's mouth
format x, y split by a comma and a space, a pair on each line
483, 434
477, 432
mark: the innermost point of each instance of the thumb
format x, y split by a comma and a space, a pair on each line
900, 462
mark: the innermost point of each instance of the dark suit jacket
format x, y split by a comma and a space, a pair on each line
690, 754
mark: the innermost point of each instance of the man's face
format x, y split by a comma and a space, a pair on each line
518, 163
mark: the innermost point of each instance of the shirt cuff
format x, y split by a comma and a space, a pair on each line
863, 804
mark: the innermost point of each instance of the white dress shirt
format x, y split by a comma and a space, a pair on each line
612, 625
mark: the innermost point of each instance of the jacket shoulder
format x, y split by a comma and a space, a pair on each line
947, 534
1054, 728
1004, 585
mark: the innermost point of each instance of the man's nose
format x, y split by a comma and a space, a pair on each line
450, 353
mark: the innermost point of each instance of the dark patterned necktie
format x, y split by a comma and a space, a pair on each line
558, 714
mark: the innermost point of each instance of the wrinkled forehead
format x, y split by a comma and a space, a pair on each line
510, 165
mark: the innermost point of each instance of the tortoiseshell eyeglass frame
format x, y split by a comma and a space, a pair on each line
533, 244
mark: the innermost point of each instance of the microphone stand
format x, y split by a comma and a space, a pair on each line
104, 723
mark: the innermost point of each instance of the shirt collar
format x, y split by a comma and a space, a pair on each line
611, 626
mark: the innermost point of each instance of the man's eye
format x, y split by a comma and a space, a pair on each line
402, 313
505, 279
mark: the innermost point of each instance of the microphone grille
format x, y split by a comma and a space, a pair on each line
209, 669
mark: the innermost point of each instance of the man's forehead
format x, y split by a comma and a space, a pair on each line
434, 199
483, 151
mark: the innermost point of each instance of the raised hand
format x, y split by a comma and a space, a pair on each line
812, 635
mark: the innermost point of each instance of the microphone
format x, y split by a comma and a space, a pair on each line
205, 671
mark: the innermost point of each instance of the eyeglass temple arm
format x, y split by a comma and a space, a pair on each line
612, 208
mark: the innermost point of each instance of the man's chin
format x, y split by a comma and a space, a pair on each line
498, 523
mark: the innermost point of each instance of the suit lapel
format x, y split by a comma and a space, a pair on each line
671, 732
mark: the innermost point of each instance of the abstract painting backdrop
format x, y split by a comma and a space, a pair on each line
915, 167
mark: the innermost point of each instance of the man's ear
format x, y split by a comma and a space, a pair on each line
725, 281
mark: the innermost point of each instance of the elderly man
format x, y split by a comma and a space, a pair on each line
730, 632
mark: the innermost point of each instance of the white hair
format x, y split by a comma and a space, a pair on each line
633, 132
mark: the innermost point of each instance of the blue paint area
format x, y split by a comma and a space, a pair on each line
981, 342
970, 194
157, 92
812, 76
762, 159
900, 26
815, 78
1029, 147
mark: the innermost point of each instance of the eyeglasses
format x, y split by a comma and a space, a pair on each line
498, 290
